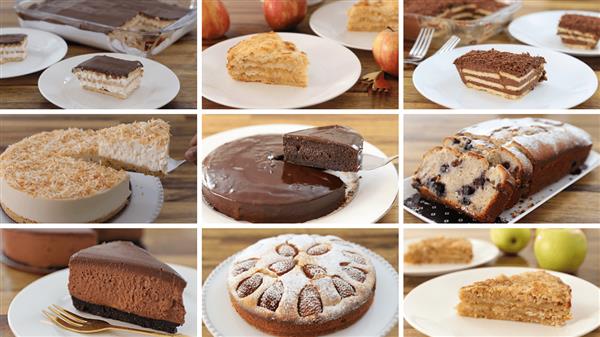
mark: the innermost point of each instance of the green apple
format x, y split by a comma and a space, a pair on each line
560, 249
510, 240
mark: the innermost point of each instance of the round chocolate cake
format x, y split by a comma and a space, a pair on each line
248, 180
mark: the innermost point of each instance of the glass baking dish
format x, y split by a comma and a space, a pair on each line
469, 31
116, 39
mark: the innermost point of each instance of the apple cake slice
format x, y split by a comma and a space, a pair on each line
267, 58
373, 15
439, 250
534, 297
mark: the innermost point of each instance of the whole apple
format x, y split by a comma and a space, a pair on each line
284, 14
385, 51
560, 249
215, 19
510, 240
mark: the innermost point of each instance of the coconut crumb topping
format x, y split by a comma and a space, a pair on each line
152, 133
61, 164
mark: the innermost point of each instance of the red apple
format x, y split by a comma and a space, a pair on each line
215, 19
284, 14
385, 51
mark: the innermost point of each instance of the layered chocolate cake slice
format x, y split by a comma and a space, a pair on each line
333, 147
13, 47
110, 76
579, 31
500, 73
121, 281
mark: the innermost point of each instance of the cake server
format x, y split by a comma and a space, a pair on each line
371, 162
173, 164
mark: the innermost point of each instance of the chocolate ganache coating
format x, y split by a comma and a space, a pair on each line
248, 180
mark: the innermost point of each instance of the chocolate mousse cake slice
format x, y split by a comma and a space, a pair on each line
500, 73
13, 47
121, 281
332, 147
110, 76
579, 31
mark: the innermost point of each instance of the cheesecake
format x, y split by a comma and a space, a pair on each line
122, 281
13, 48
65, 176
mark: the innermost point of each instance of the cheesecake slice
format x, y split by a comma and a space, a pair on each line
439, 250
121, 281
266, 58
140, 147
13, 47
373, 15
505, 74
110, 76
533, 297
332, 147
579, 31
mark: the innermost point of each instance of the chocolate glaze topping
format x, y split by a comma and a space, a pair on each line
582, 23
114, 13
12, 38
332, 133
248, 176
496, 61
110, 66
126, 255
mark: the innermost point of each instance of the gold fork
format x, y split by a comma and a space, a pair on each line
70, 321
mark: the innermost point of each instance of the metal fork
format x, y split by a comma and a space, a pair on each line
371, 162
448, 46
421, 46
72, 322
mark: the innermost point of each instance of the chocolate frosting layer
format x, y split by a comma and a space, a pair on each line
114, 13
333, 134
582, 23
437, 7
125, 254
248, 177
110, 66
497, 61
12, 38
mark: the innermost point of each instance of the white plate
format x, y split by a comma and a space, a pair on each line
524, 206
25, 316
483, 252
314, 2
221, 319
330, 22
376, 193
332, 70
430, 307
539, 29
570, 82
43, 50
59, 86
144, 206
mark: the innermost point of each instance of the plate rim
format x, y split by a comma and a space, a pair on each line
236, 104
213, 274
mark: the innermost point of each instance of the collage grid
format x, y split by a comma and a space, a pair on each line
191, 235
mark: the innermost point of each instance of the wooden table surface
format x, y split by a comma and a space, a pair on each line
158, 241
247, 17
179, 186
589, 270
414, 100
22, 92
580, 202
219, 244
379, 130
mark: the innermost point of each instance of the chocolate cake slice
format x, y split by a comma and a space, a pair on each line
332, 147
121, 281
579, 31
110, 76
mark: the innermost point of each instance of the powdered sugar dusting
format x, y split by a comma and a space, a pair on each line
283, 266
309, 302
249, 285
271, 297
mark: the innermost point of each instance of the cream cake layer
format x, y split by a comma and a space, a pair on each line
13, 48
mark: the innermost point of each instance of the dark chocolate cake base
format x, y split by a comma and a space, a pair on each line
119, 315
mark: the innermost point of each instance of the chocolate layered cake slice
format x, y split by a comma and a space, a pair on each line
121, 281
110, 76
533, 297
333, 147
500, 73
579, 31
13, 48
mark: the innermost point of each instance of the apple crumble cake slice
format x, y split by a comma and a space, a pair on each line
439, 250
266, 58
534, 297
373, 15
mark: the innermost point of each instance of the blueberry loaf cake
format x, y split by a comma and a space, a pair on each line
301, 285
486, 168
